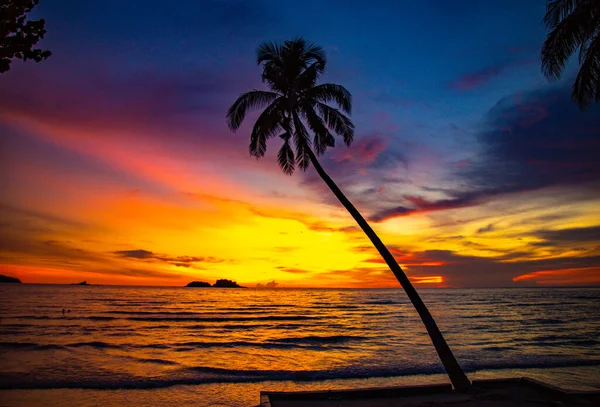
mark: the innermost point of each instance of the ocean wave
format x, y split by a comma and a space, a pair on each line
543, 321
555, 340
326, 305
94, 344
155, 361
49, 346
193, 346
317, 339
381, 302
29, 346
171, 313
226, 319
311, 342
175, 319
307, 342
205, 375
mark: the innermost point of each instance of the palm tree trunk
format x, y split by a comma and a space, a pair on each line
457, 376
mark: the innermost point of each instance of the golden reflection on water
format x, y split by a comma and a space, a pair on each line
124, 338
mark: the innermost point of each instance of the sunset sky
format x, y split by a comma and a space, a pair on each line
117, 166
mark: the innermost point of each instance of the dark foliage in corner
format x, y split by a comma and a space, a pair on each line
18, 35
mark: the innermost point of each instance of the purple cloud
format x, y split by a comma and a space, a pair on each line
476, 79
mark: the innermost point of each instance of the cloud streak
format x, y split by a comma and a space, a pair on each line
179, 261
477, 79
535, 141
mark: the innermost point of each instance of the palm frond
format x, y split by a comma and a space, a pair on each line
246, 102
322, 137
557, 10
337, 121
302, 143
586, 88
309, 77
267, 51
285, 158
267, 125
566, 36
298, 55
330, 92
315, 52
309, 51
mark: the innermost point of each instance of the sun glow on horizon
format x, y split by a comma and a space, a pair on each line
471, 176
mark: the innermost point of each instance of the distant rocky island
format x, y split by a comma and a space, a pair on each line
198, 284
82, 283
7, 279
223, 283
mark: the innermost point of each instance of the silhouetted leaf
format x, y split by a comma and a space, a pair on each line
246, 102
574, 24
285, 158
17, 37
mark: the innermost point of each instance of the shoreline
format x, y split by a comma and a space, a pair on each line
583, 378
565, 377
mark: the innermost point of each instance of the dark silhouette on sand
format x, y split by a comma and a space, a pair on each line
18, 35
8, 279
223, 283
296, 105
574, 26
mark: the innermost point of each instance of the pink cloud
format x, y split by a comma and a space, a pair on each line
476, 79
473, 80
463, 163
533, 112
151, 126
363, 151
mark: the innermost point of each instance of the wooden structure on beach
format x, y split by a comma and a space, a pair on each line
523, 392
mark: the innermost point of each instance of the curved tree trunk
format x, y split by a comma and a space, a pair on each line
457, 376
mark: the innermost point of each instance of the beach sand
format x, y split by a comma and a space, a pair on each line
522, 392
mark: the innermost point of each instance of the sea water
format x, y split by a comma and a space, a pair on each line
167, 346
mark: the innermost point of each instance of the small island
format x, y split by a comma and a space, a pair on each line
198, 284
82, 283
8, 279
226, 284
222, 283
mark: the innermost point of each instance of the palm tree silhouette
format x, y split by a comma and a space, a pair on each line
574, 24
295, 101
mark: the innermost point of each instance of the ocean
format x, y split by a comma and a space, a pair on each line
151, 346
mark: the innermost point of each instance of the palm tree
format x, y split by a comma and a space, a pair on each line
574, 24
295, 101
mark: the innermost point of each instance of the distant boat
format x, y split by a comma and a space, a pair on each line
82, 283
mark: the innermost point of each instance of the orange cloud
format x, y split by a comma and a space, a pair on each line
574, 276
427, 280
65, 275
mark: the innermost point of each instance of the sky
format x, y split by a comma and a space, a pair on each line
117, 166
